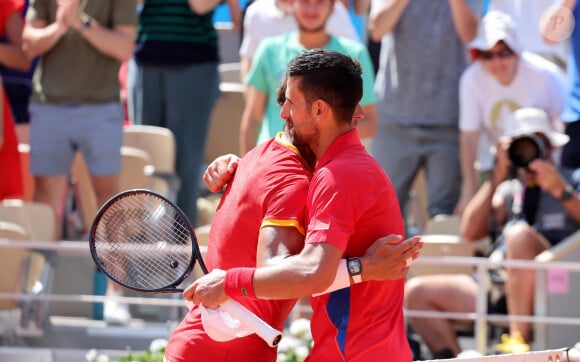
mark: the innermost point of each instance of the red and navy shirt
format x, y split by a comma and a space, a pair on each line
351, 203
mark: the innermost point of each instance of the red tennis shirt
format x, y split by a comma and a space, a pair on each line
351, 203
269, 188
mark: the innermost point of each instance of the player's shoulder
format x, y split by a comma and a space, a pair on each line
281, 160
351, 161
352, 173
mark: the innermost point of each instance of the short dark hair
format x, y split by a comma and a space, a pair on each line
281, 92
330, 76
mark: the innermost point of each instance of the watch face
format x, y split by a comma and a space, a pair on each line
568, 193
354, 267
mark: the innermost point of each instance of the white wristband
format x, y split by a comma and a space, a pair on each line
342, 279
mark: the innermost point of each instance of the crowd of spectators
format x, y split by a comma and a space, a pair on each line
453, 78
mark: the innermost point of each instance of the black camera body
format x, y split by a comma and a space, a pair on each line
526, 148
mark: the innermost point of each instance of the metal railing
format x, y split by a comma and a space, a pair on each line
481, 265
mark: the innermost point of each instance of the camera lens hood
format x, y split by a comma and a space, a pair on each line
526, 148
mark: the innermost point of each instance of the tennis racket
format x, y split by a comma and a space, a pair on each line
145, 243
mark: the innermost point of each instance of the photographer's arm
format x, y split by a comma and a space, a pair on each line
468, 144
549, 179
486, 204
572, 205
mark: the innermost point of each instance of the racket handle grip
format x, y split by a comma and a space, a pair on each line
253, 322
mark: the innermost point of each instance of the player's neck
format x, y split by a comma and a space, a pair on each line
327, 137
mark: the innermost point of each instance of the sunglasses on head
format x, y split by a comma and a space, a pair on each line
489, 55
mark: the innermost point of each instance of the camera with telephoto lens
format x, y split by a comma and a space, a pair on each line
526, 148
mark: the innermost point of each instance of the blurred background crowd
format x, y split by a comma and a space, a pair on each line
449, 87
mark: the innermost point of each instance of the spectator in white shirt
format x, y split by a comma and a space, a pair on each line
501, 80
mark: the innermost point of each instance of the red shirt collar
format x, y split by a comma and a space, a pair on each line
343, 142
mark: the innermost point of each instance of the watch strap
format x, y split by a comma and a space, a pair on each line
567, 194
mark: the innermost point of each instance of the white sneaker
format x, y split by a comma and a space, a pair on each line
116, 313
469, 354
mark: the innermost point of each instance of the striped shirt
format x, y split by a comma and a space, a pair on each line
170, 33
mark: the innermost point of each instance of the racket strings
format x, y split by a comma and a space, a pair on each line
143, 242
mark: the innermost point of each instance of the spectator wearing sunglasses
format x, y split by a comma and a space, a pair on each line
527, 15
501, 80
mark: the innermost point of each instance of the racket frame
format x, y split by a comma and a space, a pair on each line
270, 335
195, 255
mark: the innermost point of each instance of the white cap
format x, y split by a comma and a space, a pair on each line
494, 27
534, 120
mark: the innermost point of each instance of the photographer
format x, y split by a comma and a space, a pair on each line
501, 79
533, 211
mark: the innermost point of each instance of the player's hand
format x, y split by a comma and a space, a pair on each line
220, 172
208, 290
388, 258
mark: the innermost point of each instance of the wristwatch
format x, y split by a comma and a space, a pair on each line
567, 194
86, 22
354, 269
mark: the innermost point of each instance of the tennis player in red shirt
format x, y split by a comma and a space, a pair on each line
266, 198
351, 202
261, 218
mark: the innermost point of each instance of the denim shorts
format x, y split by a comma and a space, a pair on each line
58, 131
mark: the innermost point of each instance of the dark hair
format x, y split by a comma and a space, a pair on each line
281, 92
330, 76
